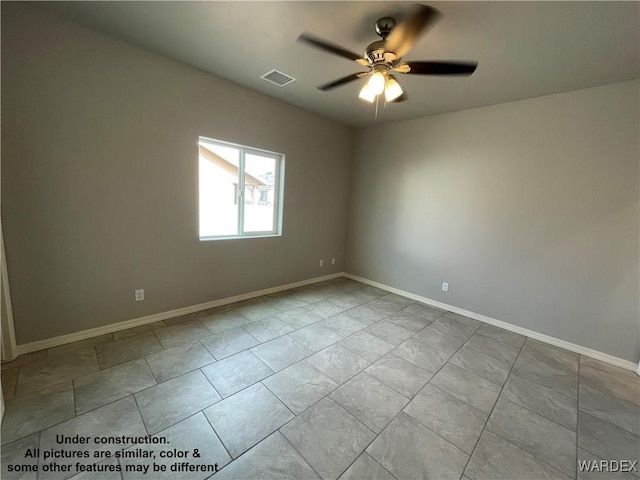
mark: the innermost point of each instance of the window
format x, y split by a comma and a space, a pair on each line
240, 190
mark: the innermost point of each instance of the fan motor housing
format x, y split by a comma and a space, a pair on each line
375, 52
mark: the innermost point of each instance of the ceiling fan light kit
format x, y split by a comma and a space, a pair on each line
385, 56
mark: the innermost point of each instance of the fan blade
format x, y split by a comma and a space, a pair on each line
341, 81
442, 68
328, 47
403, 36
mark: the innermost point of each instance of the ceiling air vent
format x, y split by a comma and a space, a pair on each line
277, 77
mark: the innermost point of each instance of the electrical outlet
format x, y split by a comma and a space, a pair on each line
333, 261
322, 263
445, 287
139, 295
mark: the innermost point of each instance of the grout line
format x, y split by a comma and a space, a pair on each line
531, 455
492, 409
218, 437
300, 454
376, 435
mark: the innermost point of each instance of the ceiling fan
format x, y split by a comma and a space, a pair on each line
385, 57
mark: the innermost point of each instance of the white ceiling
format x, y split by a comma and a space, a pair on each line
524, 49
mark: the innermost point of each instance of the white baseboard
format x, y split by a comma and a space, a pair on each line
136, 322
588, 352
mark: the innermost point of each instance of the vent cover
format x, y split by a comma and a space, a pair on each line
278, 78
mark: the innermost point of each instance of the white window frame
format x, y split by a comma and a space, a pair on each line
278, 190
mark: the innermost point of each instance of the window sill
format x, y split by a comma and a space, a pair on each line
239, 237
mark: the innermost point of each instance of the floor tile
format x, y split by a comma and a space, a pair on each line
498, 350
542, 438
424, 311
452, 419
551, 355
325, 308
342, 325
188, 332
366, 468
364, 296
623, 387
169, 402
367, 346
606, 440
300, 386
549, 374
130, 332
31, 413
299, 317
404, 377
364, 314
59, 368
468, 387
347, 284
246, 418
406, 320
502, 335
442, 341
389, 332
14, 454
127, 348
268, 328
497, 459
79, 345
219, 322
370, 289
9, 381
175, 361
328, 437
542, 400
397, 299
456, 325
370, 401
272, 459
229, 342
315, 338
384, 306
345, 300
24, 359
409, 450
232, 374
338, 363
421, 354
285, 302
309, 295
258, 311
280, 352
187, 317
608, 368
495, 371
113, 420
614, 410
98, 389
189, 434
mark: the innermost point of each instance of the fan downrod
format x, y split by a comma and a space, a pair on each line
384, 26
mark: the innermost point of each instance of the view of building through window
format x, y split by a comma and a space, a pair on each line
239, 190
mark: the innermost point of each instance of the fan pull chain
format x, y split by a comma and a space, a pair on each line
377, 99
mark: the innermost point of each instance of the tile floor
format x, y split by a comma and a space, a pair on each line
333, 380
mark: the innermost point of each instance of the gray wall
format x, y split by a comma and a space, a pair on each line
100, 180
528, 209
